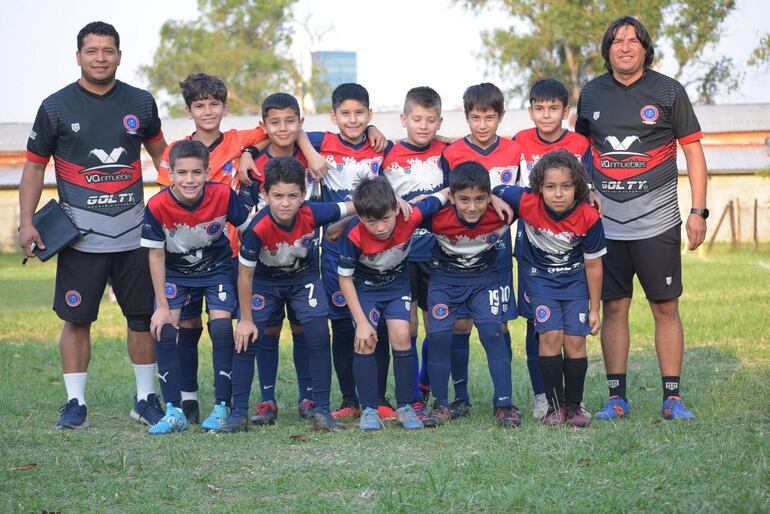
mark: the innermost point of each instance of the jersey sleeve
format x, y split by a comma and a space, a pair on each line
153, 235
349, 253
250, 245
42, 139
429, 206
511, 195
582, 125
316, 139
237, 214
164, 170
685, 123
249, 194
444, 163
152, 131
594, 244
327, 212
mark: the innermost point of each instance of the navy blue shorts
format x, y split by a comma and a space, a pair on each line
307, 301
394, 308
524, 302
571, 316
505, 269
338, 307
481, 300
220, 297
194, 307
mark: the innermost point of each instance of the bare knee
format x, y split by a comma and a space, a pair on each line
273, 331
463, 326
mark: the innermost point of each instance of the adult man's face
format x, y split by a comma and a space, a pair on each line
626, 53
98, 59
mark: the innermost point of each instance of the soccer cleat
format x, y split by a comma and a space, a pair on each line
540, 406
347, 411
191, 411
265, 414
305, 409
73, 415
508, 417
237, 422
408, 418
576, 417
420, 409
370, 420
147, 411
673, 409
460, 408
616, 407
439, 415
173, 421
218, 417
425, 391
556, 415
325, 421
386, 410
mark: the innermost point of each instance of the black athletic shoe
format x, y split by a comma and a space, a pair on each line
238, 422
508, 417
323, 420
439, 415
191, 411
148, 411
460, 408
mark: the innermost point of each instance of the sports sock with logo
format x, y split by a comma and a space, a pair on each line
365, 371
439, 365
75, 384
343, 335
223, 345
574, 380
187, 346
144, 374
416, 362
243, 373
460, 355
552, 370
424, 377
533, 357
382, 357
267, 366
302, 366
616, 382
405, 372
670, 387
168, 365
498, 362
316, 332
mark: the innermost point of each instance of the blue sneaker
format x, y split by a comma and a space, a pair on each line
408, 418
218, 417
370, 420
616, 407
73, 415
173, 421
148, 411
237, 422
673, 408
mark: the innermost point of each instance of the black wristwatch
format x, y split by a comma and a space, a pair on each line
703, 213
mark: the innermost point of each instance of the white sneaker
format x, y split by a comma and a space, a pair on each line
540, 406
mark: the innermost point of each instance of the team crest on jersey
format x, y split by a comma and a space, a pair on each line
131, 122
542, 313
32, 135
596, 115
506, 176
257, 302
374, 166
213, 228
582, 317
222, 295
649, 114
75, 127
338, 299
492, 238
72, 298
374, 316
169, 290
440, 311
407, 170
227, 168
307, 240
407, 302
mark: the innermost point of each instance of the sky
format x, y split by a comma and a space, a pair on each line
38, 45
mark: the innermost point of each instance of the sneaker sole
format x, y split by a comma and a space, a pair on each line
71, 427
259, 423
137, 417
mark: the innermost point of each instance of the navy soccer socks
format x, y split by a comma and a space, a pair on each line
439, 365
316, 332
168, 365
267, 366
533, 358
222, 343
365, 372
302, 366
460, 355
188, 357
498, 362
405, 373
343, 335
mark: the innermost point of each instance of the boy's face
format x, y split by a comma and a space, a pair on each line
188, 177
282, 127
284, 200
548, 116
207, 113
471, 203
351, 117
380, 228
421, 124
483, 125
558, 189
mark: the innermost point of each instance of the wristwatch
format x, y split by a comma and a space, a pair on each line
703, 213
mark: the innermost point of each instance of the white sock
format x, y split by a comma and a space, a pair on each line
75, 383
145, 380
189, 395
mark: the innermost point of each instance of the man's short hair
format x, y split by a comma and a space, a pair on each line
469, 175
98, 28
287, 170
188, 148
549, 90
374, 198
349, 91
483, 97
200, 86
279, 101
424, 96
641, 33
560, 159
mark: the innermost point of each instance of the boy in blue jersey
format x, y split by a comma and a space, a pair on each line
374, 279
184, 228
560, 248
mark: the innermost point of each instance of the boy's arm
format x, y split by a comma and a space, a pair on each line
594, 279
162, 314
366, 336
245, 331
155, 148
377, 139
317, 165
237, 212
502, 209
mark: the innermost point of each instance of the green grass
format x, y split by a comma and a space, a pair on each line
717, 463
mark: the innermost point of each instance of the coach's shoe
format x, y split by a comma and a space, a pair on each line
265, 414
173, 421
460, 408
439, 415
73, 415
370, 420
540, 406
386, 410
576, 417
673, 408
348, 410
305, 409
555, 415
237, 422
409, 418
508, 417
616, 407
191, 411
324, 420
218, 417
148, 411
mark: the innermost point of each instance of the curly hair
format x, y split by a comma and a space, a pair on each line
560, 159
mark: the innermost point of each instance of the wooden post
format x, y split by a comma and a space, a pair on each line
756, 230
738, 220
719, 225
731, 207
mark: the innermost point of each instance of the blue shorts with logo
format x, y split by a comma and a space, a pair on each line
571, 316
447, 302
505, 270
524, 302
220, 297
194, 308
338, 307
307, 301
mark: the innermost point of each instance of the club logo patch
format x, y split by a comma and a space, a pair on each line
596, 115
307, 240
131, 122
338, 299
227, 168
257, 302
213, 229
75, 127
582, 317
492, 238
649, 114
374, 316
375, 167
72, 298
169, 290
506, 176
542, 313
440, 311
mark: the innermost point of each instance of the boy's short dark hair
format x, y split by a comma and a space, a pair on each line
424, 96
561, 159
641, 33
349, 91
374, 197
279, 101
483, 97
98, 28
287, 170
188, 148
469, 175
200, 86
549, 89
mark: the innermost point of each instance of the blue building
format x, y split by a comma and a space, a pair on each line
335, 68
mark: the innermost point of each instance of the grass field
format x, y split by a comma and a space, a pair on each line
717, 463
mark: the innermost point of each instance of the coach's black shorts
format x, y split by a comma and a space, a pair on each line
81, 278
419, 275
657, 262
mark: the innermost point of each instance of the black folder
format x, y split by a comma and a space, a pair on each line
56, 230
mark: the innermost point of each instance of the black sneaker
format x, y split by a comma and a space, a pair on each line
148, 411
439, 415
73, 415
238, 422
460, 408
508, 417
191, 411
323, 420
265, 414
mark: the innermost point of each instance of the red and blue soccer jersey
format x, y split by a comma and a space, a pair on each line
553, 246
194, 236
414, 171
378, 266
502, 159
250, 195
283, 255
533, 147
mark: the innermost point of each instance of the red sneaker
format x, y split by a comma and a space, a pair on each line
386, 410
347, 411
576, 417
555, 415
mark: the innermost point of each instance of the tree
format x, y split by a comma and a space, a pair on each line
761, 54
562, 40
244, 42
